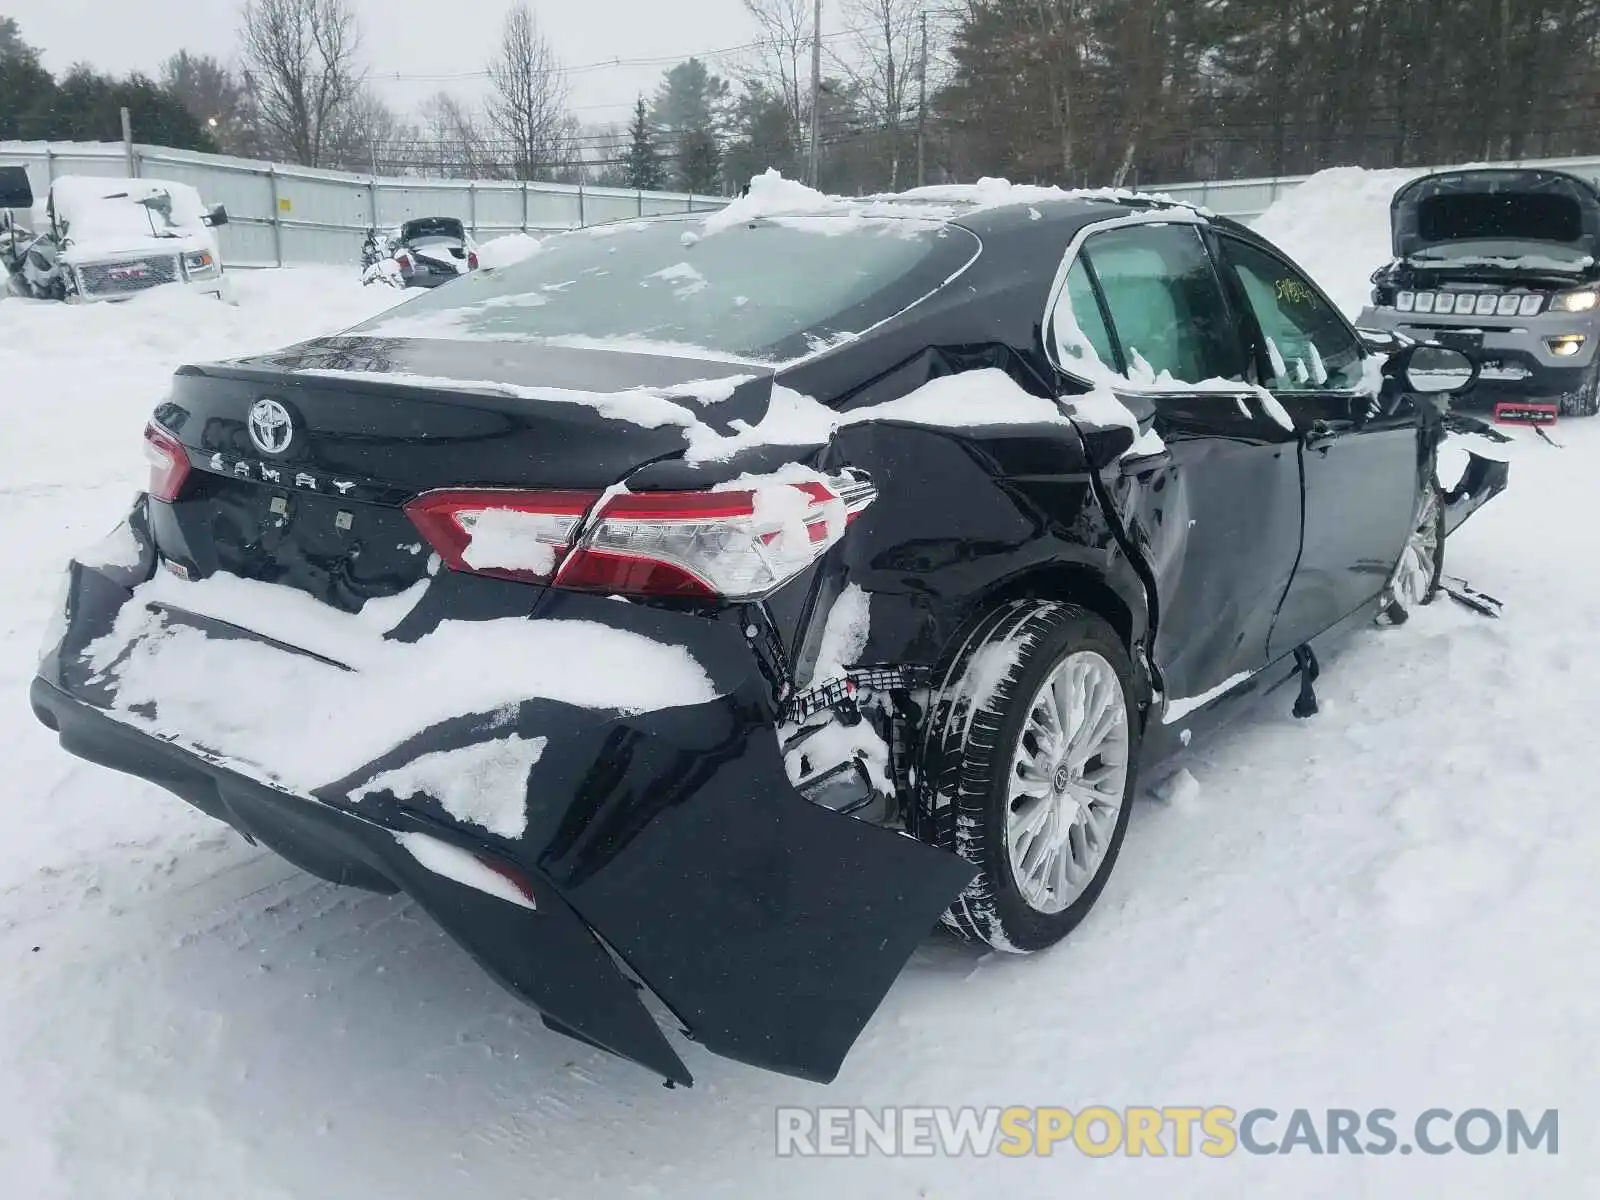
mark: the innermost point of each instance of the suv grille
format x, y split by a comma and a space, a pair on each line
1472, 304
118, 279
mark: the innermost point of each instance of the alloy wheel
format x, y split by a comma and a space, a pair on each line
1069, 773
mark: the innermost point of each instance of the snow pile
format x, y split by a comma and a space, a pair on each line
452, 862
1336, 226
303, 722
1002, 193
507, 251
507, 539
772, 197
971, 400
648, 407
484, 785
844, 635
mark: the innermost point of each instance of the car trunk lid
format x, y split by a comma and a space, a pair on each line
303, 460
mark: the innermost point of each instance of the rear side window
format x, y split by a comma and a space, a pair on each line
1080, 327
1166, 304
768, 289
1308, 346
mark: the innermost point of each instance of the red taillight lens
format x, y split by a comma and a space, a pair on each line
404, 260
169, 463
732, 545
472, 260
511, 535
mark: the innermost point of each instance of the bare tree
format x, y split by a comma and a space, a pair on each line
883, 67
301, 68
367, 135
458, 146
528, 104
784, 56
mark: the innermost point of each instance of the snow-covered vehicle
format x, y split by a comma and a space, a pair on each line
108, 239
422, 253
1503, 263
708, 605
16, 193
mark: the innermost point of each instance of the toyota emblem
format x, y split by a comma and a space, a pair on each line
271, 426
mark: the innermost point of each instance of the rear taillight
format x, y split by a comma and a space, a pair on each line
511, 535
404, 261
169, 462
472, 260
729, 545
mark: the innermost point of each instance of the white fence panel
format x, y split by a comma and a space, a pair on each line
284, 214
280, 214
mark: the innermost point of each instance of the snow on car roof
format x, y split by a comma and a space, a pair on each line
71, 192
106, 216
771, 196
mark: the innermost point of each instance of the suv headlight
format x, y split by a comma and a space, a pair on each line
1580, 300
199, 262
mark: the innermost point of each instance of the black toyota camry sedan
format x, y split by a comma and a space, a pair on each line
709, 606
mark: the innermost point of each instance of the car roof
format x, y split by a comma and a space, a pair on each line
989, 208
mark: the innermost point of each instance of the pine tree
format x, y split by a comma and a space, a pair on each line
642, 170
689, 108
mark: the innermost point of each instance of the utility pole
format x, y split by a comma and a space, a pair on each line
922, 107
816, 88
127, 145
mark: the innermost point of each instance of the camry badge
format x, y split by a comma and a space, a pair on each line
271, 427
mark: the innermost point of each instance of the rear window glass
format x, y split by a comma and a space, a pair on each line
770, 289
1499, 215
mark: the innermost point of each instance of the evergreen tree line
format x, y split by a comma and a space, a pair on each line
1112, 91
1120, 92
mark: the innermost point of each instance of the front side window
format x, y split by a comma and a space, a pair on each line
1308, 346
1166, 305
767, 289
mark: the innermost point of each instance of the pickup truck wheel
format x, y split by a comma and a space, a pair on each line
1031, 761
1417, 575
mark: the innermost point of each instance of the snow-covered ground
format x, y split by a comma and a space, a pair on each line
1393, 905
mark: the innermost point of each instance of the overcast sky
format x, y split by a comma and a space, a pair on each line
406, 37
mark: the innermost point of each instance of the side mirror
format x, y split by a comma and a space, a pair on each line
1437, 370
216, 216
15, 190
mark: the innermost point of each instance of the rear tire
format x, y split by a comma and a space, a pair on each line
1029, 761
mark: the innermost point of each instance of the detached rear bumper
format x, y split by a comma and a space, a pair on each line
665, 846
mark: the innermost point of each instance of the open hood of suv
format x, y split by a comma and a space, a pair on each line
1511, 205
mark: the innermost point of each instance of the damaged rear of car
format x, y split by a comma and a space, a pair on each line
710, 607
500, 646
1501, 263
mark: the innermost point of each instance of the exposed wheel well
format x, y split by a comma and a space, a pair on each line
1071, 584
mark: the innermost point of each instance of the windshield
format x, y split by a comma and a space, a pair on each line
770, 289
106, 210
